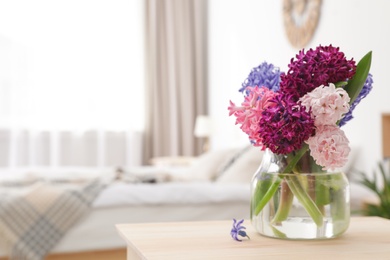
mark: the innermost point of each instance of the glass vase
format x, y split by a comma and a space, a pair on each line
306, 203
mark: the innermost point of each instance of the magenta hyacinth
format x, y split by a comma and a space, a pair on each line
285, 126
321, 66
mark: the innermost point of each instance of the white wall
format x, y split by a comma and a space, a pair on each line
244, 33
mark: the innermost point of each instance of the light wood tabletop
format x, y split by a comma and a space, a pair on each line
366, 238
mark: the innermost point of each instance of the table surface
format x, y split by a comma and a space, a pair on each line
366, 238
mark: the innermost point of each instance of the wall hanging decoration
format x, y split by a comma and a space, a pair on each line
300, 20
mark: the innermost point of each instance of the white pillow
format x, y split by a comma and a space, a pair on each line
231, 160
244, 167
205, 167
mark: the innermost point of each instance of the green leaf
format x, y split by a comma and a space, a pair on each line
341, 84
356, 84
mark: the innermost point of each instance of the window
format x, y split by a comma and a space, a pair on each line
75, 64
71, 80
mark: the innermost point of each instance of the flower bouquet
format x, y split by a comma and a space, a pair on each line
297, 118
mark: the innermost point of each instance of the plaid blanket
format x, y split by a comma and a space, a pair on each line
33, 223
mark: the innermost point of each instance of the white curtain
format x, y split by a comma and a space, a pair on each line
71, 77
26, 148
176, 68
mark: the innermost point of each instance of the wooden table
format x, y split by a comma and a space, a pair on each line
366, 238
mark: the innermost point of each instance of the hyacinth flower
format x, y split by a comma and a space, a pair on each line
323, 65
249, 113
238, 230
314, 98
264, 75
363, 93
329, 147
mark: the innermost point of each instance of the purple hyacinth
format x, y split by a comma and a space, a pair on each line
324, 65
266, 74
237, 230
363, 93
285, 125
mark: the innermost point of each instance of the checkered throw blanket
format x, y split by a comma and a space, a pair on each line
33, 223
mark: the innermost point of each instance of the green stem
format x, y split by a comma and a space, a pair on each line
278, 233
268, 195
285, 204
262, 186
273, 187
295, 159
287, 196
322, 191
338, 210
305, 200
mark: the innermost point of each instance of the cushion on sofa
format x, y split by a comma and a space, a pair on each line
243, 168
230, 160
205, 167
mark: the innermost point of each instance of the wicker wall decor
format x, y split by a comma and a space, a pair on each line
300, 20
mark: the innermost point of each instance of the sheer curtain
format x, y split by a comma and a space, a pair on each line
71, 83
176, 69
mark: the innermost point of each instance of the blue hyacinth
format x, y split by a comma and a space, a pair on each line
237, 230
266, 74
363, 93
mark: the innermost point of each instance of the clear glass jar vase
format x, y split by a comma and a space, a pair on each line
302, 203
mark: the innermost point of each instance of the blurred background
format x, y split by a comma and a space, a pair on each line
115, 83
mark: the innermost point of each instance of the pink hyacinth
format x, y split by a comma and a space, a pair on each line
250, 111
327, 103
329, 147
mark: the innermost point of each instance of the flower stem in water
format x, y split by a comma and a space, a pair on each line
267, 196
286, 200
305, 200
